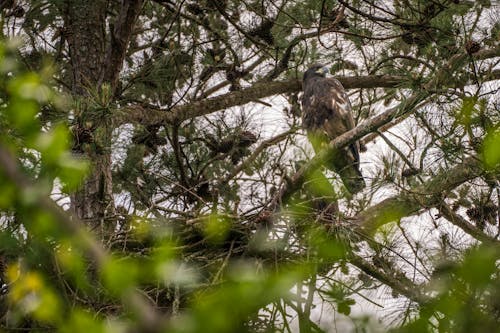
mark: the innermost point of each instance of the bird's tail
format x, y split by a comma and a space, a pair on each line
345, 163
352, 178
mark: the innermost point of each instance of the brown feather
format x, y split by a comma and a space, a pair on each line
326, 114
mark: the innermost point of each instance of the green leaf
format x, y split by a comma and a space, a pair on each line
467, 111
119, 275
82, 321
491, 150
216, 228
50, 307
479, 266
22, 114
28, 86
7, 194
71, 171
344, 306
53, 144
73, 263
319, 185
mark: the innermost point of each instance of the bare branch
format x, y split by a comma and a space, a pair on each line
397, 282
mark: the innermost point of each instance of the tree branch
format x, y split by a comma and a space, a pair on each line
148, 115
152, 115
463, 224
120, 37
427, 195
398, 283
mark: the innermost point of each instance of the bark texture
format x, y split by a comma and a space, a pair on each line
96, 60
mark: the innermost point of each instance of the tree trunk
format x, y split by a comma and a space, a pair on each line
85, 23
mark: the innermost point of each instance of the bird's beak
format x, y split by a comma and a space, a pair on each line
323, 70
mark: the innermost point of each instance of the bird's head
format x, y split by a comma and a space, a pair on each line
316, 71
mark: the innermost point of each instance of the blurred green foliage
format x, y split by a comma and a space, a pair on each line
491, 149
466, 295
45, 263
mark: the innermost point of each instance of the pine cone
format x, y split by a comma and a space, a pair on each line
472, 47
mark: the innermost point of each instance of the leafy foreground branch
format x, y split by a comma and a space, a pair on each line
149, 320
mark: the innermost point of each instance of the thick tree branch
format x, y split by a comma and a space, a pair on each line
120, 37
153, 115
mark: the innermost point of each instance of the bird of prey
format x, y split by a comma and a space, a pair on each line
326, 114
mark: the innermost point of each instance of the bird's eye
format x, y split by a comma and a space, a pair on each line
322, 71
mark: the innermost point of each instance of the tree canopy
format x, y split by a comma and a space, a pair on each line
154, 176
